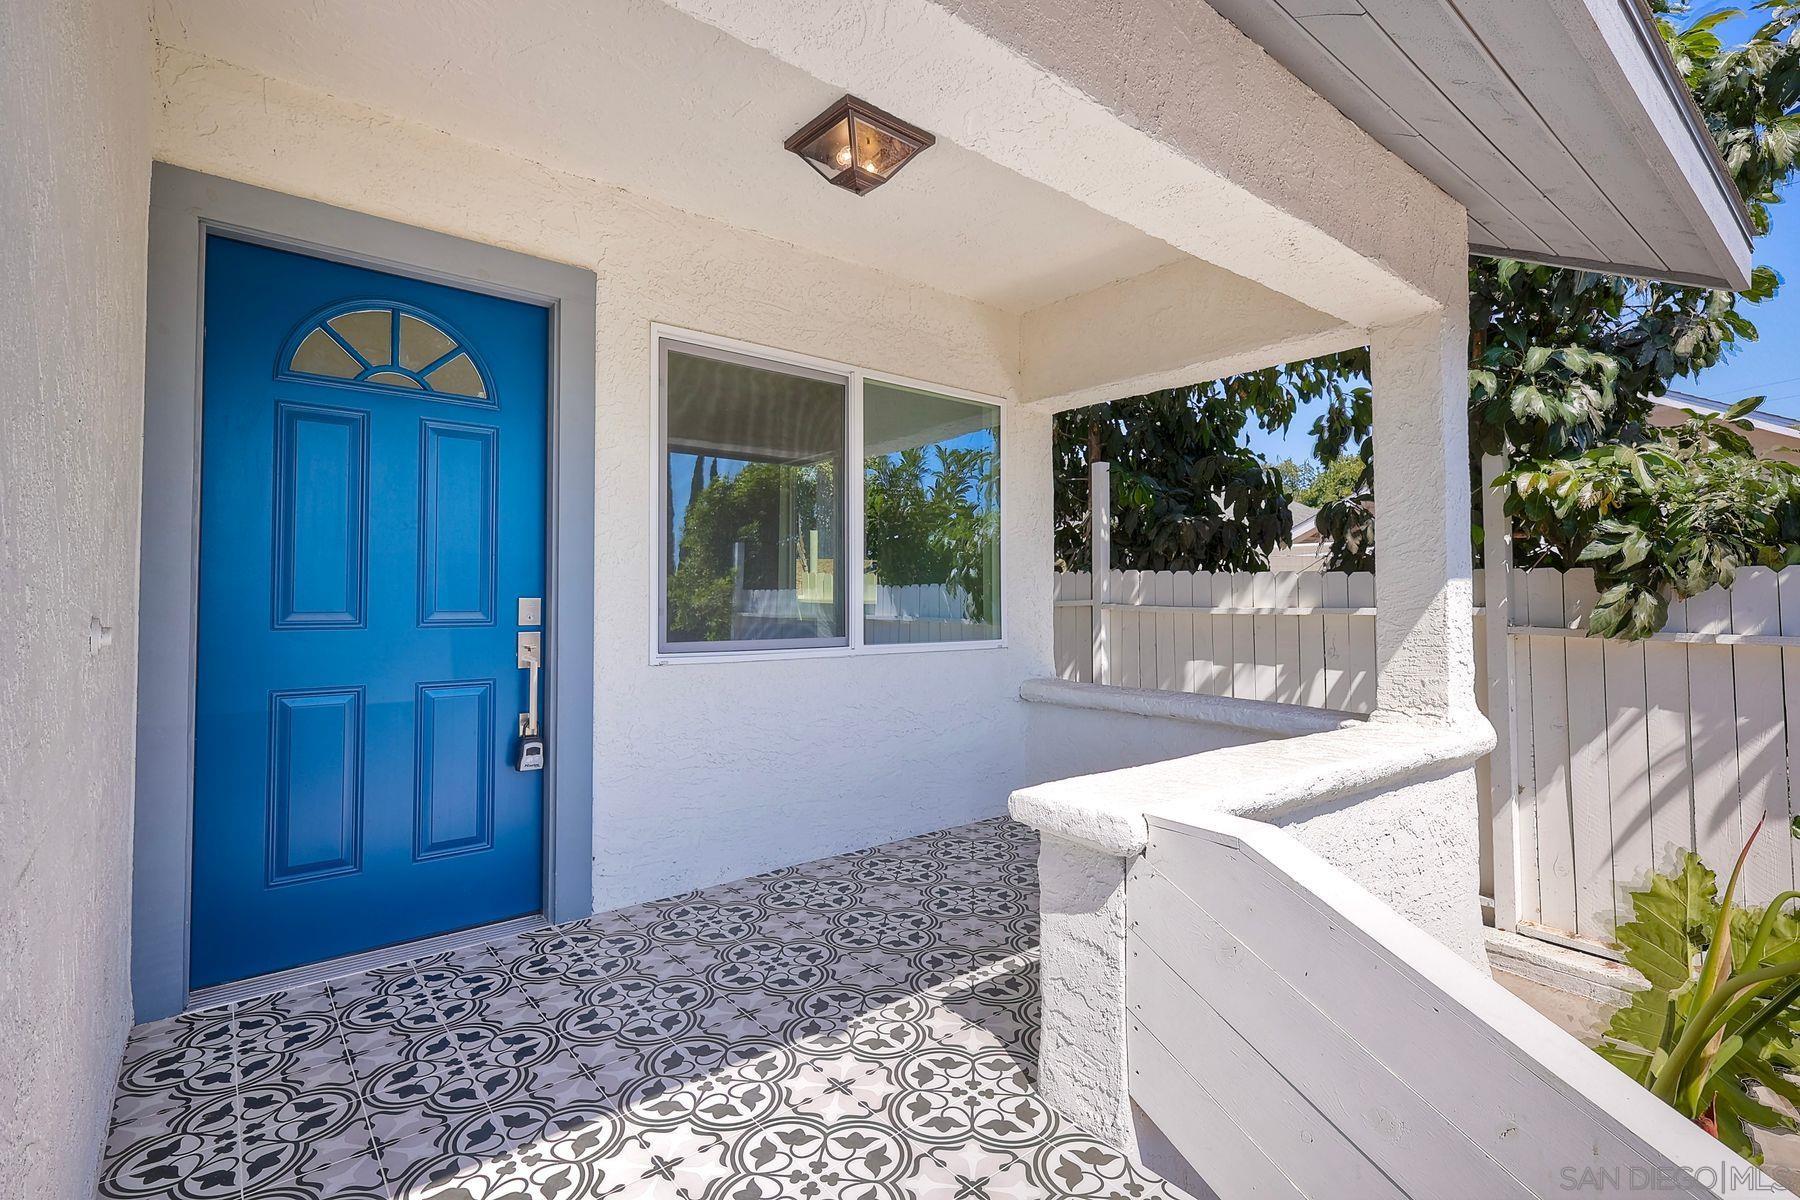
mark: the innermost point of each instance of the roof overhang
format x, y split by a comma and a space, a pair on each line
1563, 127
1771, 423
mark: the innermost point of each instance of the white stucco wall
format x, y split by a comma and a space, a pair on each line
74, 183
1416, 847
704, 772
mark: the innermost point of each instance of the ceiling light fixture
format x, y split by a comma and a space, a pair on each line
857, 146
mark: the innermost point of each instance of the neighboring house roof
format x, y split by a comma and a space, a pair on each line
1306, 523
1670, 409
1563, 126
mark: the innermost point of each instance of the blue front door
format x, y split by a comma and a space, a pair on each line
371, 513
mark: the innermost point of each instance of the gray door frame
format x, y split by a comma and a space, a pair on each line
184, 207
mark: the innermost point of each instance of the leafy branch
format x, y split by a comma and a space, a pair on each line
1663, 515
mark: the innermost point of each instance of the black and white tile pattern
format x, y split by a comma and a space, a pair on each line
859, 1028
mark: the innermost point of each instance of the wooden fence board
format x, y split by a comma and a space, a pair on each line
1671, 758
1114, 622
1263, 675
1337, 642
1162, 649
1628, 764
1183, 653
1207, 668
1217, 634
1590, 823
1531, 897
1788, 587
1761, 767
1243, 638
1362, 645
1713, 737
1550, 733
1288, 687
1309, 592
1128, 593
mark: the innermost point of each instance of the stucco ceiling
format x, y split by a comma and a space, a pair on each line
635, 94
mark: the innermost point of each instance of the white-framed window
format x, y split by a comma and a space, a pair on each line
811, 507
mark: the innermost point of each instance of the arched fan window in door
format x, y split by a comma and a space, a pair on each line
387, 346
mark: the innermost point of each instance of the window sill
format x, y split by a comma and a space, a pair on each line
660, 659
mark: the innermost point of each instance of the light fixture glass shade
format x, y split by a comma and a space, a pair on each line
879, 151
856, 146
829, 152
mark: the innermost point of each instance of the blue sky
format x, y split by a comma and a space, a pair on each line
1769, 365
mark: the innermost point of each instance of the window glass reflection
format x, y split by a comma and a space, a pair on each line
931, 510
754, 455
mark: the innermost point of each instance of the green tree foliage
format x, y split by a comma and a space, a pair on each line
1298, 475
1336, 480
1718, 1017
932, 516
1187, 494
1338, 491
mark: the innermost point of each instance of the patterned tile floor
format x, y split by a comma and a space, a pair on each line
857, 1028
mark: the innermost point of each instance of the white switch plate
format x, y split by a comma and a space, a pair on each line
531, 610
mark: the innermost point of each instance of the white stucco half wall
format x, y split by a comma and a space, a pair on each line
1389, 801
74, 191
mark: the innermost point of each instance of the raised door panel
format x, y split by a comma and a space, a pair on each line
454, 813
315, 785
321, 517
457, 513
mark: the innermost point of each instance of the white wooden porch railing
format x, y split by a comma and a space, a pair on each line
1291, 1036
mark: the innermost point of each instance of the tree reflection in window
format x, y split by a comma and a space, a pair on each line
931, 516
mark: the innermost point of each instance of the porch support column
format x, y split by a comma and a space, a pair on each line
1428, 834
1424, 635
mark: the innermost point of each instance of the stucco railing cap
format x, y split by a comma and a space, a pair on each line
1109, 812
1227, 712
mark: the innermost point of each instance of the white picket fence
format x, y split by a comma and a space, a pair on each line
1621, 752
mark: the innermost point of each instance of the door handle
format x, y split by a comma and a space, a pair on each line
530, 756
